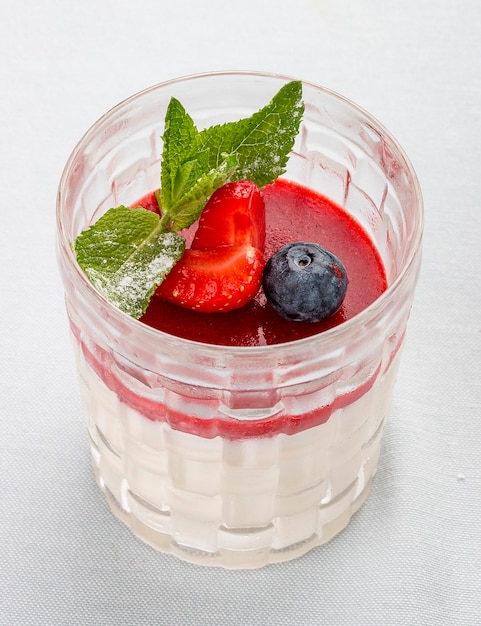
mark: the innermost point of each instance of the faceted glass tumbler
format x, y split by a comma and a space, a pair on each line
240, 456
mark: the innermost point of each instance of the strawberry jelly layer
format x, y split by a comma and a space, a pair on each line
293, 213
221, 425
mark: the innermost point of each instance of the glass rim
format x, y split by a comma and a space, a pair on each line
323, 337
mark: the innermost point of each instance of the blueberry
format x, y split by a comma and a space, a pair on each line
304, 282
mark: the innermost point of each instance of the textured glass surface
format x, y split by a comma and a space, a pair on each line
202, 494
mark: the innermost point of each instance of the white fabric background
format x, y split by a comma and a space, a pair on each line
412, 555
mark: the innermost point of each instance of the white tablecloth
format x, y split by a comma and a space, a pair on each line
412, 555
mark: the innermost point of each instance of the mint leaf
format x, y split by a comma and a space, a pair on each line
179, 135
261, 142
126, 255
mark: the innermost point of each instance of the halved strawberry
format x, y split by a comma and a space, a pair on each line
235, 214
222, 270
216, 279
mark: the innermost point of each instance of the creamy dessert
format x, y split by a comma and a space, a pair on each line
231, 423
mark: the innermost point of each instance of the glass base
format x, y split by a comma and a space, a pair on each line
251, 548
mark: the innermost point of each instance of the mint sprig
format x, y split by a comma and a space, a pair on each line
128, 252
195, 164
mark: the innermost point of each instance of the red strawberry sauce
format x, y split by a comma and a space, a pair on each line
293, 213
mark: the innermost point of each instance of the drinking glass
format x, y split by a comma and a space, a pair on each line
239, 456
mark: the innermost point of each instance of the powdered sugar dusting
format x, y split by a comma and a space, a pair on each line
132, 285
